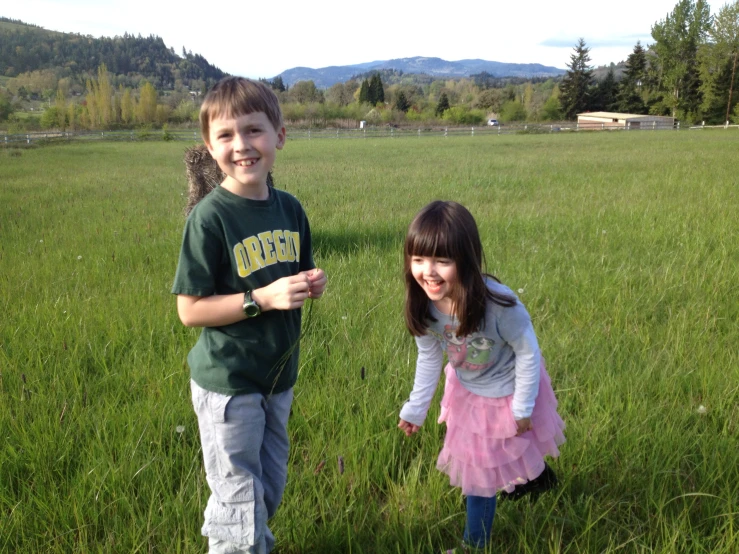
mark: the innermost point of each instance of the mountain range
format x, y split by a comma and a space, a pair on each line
434, 67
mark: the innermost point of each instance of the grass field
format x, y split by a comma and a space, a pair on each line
625, 246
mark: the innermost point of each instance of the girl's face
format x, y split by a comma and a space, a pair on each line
437, 277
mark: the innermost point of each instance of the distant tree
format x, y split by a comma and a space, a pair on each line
630, 99
401, 102
49, 118
304, 92
513, 110
127, 106
719, 61
277, 84
60, 103
606, 93
376, 93
576, 87
6, 107
551, 110
340, 94
677, 39
364, 97
443, 104
490, 99
146, 110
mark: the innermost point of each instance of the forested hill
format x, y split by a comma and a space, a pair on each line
25, 48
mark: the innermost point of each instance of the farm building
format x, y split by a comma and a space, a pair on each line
601, 120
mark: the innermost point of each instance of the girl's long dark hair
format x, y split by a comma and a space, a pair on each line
448, 230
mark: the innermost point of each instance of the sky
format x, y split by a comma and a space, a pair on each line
263, 39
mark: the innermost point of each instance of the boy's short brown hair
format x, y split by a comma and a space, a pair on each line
236, 96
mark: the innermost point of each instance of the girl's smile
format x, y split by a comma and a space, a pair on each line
436, 276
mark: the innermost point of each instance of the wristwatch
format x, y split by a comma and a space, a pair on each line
251, 308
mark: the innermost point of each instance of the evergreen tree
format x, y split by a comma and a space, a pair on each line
376, 93
277, 84
443, 104
577, 84
401, 102
606, 93
364, 93
630, 98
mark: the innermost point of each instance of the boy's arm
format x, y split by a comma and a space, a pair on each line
218, 310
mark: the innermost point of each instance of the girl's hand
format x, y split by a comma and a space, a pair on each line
317, 280
407, 427
287, 293
523, 426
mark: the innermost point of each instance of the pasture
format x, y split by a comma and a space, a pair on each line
623, 247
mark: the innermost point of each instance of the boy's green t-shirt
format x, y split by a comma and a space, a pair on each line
230, 245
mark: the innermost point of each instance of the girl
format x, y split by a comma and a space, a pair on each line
498, 403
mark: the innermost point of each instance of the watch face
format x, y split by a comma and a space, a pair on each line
251, 310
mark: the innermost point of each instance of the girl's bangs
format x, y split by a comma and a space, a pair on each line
429, 241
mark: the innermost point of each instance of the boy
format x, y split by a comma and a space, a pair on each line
245, 270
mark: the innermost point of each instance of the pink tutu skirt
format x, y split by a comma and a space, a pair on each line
481, 452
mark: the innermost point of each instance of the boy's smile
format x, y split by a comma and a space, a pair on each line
244, 147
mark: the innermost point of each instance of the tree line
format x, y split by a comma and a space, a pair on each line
689, 72
27, 48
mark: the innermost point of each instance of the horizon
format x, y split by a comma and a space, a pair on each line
548, 39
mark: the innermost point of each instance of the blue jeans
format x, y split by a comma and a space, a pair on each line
480, 515
245, 450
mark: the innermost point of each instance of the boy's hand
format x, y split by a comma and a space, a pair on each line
317, 280
523, 426
287, 293
407, 427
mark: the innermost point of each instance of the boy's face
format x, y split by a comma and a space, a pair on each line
245, 149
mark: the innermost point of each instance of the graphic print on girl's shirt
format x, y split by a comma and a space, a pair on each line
473, 352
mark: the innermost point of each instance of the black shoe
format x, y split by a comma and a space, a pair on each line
547, 480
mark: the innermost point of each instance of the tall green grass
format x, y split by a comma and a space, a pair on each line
624, 246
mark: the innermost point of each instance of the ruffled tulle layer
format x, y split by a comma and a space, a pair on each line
481, 452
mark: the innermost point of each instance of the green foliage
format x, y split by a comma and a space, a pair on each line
364, 92
6, 107
305, 92
605, 93
443, 104
27, 48
376, 92
512, 111
677, 39
576, 87
551, 110
491, 99
634, 81
718, 64
460, 115
50, 119
341, 94
401, 102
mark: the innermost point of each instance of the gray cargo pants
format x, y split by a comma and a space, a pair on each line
245, 449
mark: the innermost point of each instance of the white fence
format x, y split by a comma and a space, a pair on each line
370, 132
